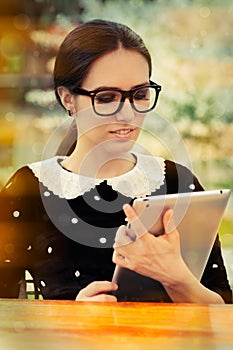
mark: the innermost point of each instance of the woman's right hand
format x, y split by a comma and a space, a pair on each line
97, 291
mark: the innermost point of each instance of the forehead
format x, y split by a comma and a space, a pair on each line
121, 68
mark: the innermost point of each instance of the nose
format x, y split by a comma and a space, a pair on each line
126, 112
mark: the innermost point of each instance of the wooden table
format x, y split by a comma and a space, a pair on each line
68, 325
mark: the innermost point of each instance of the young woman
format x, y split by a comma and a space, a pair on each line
59, 217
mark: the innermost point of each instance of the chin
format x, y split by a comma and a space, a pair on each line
119, 146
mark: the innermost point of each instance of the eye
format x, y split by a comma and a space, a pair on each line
107, 97
142, 94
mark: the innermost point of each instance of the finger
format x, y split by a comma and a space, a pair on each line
101, 298
122, 237
98, 287
168, 222
121, 260
130, 213
104, 298
118, 258
135, 226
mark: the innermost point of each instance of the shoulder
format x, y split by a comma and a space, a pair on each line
180, 178
20, 182
174, 169
25, 181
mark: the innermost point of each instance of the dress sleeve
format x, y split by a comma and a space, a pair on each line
181, 179
215, 276
13, 234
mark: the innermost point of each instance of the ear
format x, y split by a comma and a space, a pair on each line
67, 99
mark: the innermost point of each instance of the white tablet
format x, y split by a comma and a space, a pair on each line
197, 216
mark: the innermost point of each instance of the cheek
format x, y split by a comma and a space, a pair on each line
139, 119
96, 132
88, 124
98, 137
82, 103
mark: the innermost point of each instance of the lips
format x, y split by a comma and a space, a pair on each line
123, 133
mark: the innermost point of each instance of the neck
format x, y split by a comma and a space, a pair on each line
101, 165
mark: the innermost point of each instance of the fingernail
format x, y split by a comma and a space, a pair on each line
131, 235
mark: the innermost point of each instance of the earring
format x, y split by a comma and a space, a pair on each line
71, 113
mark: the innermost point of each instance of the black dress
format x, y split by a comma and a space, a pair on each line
65, 242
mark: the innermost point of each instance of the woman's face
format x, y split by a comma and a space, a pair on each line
122, 69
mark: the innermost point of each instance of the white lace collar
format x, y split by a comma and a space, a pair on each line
147, 175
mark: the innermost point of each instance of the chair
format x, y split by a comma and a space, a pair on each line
28, 289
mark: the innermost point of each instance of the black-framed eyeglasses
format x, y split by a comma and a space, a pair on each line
107, 102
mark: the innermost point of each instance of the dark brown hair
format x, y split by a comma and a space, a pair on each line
80, 49
85, 44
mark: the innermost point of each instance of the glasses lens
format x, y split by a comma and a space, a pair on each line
144, 99
107, 102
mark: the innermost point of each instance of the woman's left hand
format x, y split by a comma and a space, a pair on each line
160, 258
155, 257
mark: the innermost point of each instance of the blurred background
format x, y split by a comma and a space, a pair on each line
191, 43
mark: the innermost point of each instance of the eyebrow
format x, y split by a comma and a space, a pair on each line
117, 88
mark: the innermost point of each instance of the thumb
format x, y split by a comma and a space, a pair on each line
168, 222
